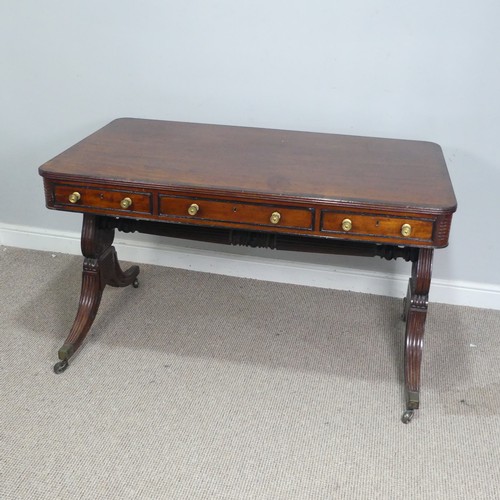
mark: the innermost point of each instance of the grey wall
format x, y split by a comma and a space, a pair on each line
418, 70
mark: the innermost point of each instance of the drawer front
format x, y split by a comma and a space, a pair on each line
235, 212
103, 199
373, 225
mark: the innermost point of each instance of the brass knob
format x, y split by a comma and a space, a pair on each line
347, 224
193, 209
275, 217
406, 229
74, 197
126, 203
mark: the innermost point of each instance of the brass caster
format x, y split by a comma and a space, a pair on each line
407, 416
60, 366
135, 283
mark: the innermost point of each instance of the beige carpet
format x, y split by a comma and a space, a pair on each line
198, 386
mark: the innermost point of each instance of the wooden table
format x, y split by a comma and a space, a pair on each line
256, 187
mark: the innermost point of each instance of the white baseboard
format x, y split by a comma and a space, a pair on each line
483, 295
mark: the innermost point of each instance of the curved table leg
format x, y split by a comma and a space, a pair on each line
113, 274
415, 313
100, 268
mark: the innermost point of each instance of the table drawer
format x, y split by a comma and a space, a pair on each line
103, 199
236, 212
401, 228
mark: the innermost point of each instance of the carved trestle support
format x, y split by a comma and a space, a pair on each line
415, 314
100, 268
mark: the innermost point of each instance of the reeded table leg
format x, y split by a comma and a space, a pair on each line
415, 313
100, 268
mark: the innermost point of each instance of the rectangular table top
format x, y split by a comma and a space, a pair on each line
326, 168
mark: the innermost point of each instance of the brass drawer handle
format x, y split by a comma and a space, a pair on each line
126, 203
193, 209
347, 225
406, 230
275, 217
74, 197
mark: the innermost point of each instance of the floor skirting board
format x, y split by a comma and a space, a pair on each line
464, 293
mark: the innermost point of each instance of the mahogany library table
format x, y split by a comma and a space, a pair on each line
285, 190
